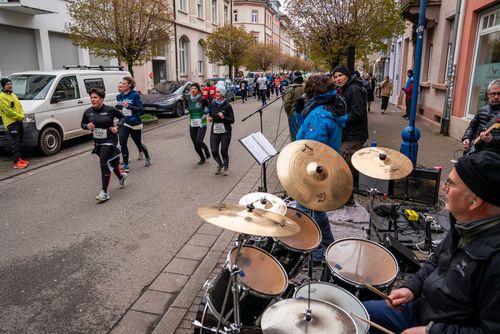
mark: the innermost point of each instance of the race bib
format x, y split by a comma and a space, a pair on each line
219, 128
100, 133
196, 122
127, 112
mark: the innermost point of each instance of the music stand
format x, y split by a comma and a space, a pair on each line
261, 150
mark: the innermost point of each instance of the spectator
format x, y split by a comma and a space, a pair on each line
385, 92
408, 89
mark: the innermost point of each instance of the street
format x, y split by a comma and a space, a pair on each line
68, 264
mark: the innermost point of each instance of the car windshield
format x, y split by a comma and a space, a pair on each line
168, 87
31, 86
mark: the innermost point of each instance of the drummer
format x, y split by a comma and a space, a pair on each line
322, 120
458, 289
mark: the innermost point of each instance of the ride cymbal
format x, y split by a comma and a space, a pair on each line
382, 163
315, 175
240, 219
288, 317
265, 201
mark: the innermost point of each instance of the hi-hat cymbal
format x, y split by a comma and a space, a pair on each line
288, 317
315, 175
382, 163
254, 222
265, 201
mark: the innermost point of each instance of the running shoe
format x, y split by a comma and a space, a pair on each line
123, 181
226, 172
102, 196
19, 165
24, 161
140, 156
202, 161
124, 167
218, 170
148, 162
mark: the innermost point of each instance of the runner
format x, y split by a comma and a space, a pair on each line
221, 116
99, 119
130, 103
198, 107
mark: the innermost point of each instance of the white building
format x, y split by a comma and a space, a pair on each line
33, 37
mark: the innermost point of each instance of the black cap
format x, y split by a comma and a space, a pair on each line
480, 173
342, 69
197, 85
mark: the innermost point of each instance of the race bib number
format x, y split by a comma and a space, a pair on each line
127, 112
100, 133
196, 122
219, 128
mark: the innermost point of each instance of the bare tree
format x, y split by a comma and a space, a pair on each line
130, 30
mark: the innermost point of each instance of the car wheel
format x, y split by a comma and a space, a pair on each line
49, 142
179, 109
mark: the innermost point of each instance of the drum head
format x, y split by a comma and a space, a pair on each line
259, 271
309, 236
287, 317
337, 296
358, 261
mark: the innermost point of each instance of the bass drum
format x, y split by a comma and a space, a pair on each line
209, 310
337, 296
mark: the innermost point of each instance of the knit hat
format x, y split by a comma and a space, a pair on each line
342, 69
479, 171
222, 90
197, 85
4, 81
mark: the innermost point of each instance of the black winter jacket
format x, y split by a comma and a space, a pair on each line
356, 97
227, 110
459, 288
479, 124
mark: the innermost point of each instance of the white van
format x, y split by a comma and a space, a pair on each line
54, 102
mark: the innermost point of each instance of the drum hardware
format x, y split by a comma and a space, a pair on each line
376, 291
198, 324
377, 326
264, 201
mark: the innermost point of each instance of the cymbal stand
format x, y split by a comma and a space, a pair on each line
234, 287
373, 193
308, 314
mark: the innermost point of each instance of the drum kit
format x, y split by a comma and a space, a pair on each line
252, 292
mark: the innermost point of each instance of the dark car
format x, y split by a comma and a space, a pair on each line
228, 85
250, 88
167, 98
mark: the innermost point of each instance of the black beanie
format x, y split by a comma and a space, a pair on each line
480, 173
197, 85
4, 81
342, 69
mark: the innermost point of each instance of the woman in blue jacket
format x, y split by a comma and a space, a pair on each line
130, 103
322, 119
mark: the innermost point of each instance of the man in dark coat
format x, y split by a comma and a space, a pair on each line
458, 289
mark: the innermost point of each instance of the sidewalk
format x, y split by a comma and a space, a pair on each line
179, 288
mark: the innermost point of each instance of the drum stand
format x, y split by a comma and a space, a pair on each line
373, 193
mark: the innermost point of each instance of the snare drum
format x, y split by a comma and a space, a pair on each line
292, 251
354, 261
337, 296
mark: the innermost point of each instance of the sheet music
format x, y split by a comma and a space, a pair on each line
259, 147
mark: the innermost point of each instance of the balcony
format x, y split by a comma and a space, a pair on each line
410, 9
29, 7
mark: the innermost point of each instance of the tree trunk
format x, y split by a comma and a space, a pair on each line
130, 65
351, 55
231, 72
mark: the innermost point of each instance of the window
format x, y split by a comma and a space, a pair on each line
201, 58
68, 86
214, 11
255, 16
235, 14
226, 13
183, 56
199, 8
486, 60
182, 5
428, 54
94, 83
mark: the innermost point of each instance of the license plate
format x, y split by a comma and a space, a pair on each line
149, 108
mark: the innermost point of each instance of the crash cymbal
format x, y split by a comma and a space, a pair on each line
288, 317
382, 163
315, 175
240, 219
265, 201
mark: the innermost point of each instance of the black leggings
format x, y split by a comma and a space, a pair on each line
125, 131
197, 135
109, 158
385, 102
222, 140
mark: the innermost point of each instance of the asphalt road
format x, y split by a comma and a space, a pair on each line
69, 265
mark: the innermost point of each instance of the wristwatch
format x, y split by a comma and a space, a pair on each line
428, 327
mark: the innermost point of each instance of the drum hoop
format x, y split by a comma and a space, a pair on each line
356, 283
307, 250
249, 288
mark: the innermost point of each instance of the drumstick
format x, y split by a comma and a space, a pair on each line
377, 291
377, 326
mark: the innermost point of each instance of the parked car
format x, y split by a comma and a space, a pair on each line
228, 85
54, 102
167, 98
250, 87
